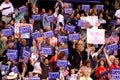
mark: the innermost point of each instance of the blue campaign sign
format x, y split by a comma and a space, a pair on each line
7, 32
14, 69
74, 37
111, 48
85, 7
112, 23
68, 10
46, 50
26, 54
51, 18
12, 54
4, 68
49, 34
69, 28
65, 50
36, 35
53, 75
36, 17
22, 9
115, 73
62, 63
24, 29
34, 78
62, 38
100, 7
81, 23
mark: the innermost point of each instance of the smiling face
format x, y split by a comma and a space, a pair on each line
116, 62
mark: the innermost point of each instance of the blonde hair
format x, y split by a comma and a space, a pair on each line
4, 39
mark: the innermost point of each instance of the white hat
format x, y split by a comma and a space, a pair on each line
12, 75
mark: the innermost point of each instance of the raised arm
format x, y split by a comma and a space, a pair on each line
107, 57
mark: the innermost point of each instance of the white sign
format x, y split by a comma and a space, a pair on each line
93, 20
96, 36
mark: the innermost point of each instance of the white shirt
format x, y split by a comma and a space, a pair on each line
8, 10
117, 13
102, 21
60, 19
83, 78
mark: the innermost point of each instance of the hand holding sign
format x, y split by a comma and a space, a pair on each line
46, 50
62, 63
36, 17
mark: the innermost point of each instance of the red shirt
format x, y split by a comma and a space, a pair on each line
100, 70
113, 66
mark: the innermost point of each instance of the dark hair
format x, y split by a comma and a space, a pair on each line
61, 55
87, 61
103, 61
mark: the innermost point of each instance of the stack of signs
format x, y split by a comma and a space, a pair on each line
17, 29
72, 37
62, 63
69, 28
12, 54
36, 17
36, 35
115, 74
100, 7
49, 34
46, 50
65, 50
22, 9
111, 48
50, 18
7, 32
96, 36
62, 38
14, 69
25, 31
26, 54
34, 78
85, 7
53, 75
93, 20
68, 10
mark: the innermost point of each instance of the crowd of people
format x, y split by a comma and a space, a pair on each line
48, 53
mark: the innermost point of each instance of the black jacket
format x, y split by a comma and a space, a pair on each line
75, 58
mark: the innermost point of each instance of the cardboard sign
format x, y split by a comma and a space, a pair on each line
68, 10
46, 50
62, 38
93, 20
14, 69
100, 7
36, 17
49, 34
17, 30
51, 18
7, 32
69, 28
85, 7
36, 35
53, 75
22, 9
12, 54
62, 63
111, 48
26, 54
65, 50
74, 37
115, 74
34, 78
96, 36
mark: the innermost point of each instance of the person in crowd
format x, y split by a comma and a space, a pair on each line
7, 10
100, 70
